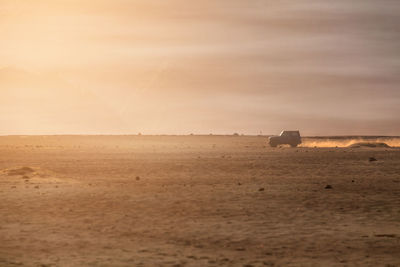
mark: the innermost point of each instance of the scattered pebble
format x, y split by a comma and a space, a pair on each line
372, 159
328, 186
137, 178
261, 189
239, 183
36, 186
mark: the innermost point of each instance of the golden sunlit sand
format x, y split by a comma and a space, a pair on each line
195, 201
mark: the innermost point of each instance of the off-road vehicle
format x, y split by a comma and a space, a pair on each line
291, 138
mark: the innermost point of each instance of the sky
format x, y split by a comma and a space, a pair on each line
180, 67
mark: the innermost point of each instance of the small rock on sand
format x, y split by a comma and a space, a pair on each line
328, 186
371, 159
261, 189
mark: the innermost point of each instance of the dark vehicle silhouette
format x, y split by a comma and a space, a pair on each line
291, 138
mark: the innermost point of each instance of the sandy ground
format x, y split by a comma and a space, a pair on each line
195, 201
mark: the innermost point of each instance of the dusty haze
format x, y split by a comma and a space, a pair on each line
178, 67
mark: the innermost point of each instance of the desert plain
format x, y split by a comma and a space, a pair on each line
197, 201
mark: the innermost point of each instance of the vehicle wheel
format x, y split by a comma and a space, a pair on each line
293, 145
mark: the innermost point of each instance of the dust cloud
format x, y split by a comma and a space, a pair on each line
345, 142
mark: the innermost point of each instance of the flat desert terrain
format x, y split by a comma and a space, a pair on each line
196, 201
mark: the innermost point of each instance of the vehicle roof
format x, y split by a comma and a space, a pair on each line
290, 131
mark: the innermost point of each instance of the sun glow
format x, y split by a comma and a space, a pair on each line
179, 67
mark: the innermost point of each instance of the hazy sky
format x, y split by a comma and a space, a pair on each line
209, 66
